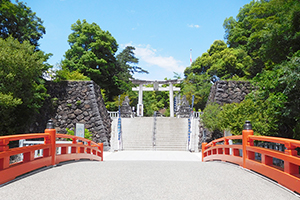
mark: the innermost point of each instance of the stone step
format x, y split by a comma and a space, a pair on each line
171, 133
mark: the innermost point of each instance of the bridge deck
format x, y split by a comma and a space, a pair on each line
145, 175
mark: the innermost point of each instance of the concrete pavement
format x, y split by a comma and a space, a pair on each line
142, 175
152, 156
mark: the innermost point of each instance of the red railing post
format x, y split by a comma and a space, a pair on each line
246, 132
226, 150
74, 149
203, 149
4, 162
52, 133
290, 168
101, 149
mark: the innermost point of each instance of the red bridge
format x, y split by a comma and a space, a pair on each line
147, 179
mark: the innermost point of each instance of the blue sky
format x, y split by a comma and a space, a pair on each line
162, 31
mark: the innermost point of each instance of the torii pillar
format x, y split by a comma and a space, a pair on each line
171, 89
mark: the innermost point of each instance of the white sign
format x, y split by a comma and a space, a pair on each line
79, 130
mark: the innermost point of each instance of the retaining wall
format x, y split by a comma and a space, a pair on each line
74, 102
229, 91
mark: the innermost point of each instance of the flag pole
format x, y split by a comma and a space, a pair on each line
191, 57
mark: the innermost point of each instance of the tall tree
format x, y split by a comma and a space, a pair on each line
21, 87
92, 52
222, 62
127, 63
21, 22
268, 30
127, 58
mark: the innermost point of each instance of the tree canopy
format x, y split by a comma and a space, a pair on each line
21, 85
127, 64
92, 52
266, 35
222, 62
19, 21
268, 31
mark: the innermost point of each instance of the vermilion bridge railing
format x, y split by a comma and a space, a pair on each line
69, 151
247, 153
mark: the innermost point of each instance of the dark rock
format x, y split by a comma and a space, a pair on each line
126, 109
77, 112
90, 111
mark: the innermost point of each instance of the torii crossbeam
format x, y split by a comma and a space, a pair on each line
156, 87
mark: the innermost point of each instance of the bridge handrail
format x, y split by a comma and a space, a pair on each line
50, 157
223, 139
245, 156
285, 141
11, 138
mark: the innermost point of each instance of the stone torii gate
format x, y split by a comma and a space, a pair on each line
156, 87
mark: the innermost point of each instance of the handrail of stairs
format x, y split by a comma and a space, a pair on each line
154, 131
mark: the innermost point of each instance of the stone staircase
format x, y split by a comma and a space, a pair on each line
171, 133
137, 133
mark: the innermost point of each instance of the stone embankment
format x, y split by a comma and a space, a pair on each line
74, 102
223, 92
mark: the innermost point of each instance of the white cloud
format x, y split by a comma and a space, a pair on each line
193, 26
150, 56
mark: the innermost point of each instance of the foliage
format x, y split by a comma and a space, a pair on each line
261, 115
87, 134
210, 117
92, 52
127, 61
66, 74
273, 108
126, 58
21, 87
268, 31
198, 85
114, 105
222, 62
20, 22
155, 101
280, 87
264, 44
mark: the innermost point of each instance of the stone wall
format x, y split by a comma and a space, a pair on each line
222, 92
74, 102
229, 91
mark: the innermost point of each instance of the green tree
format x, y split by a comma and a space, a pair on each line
230, 64
126, 58
268, 31
127, 63
64, 74
264, 47
199, 86
155, 101
280, 87
21, 22
261, 113
21, 87
273, 108
222, 62
92, 52
210, 117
